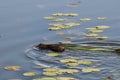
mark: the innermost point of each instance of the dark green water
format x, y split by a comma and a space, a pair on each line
22, 26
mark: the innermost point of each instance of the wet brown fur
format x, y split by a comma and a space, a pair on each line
53, 47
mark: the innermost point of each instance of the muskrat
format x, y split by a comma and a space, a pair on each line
53, 47
61, 48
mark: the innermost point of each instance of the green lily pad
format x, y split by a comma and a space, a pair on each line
29, 74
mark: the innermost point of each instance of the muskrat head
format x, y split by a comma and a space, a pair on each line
42, 46
117, 51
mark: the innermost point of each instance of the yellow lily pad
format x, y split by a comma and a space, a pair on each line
53, 54
50, 73
68, 61
85, 19
72, 64
101, 37
96, 31
87, 70
55, 25
70, 71
91, 35
64, 42
91, 28
50, 70
49, 17
46, 78
65, 78
101, 18
12, 68
72, 24
58, 19
54, 28
102, 27
85, 62
29, 74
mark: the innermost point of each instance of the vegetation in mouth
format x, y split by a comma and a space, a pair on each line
63, 47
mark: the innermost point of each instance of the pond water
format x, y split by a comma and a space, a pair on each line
22, 26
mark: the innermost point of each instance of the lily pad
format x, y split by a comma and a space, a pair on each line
101, 18
84, 62
50, 70
50, 73
65, 78
49, 17
65, 42
68, 61
87, 70
53, 54
85, 19
46, 78
101, 37
96, 31
72, 64
12, 68
29, 74
102, 27
70, 71
91, 35
54, 28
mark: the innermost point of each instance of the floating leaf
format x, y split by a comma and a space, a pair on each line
49, 17
55, 25
101, 37
90, 28
64, 42
29, 74
65, 78
72, 64
101, 18
68, 61
12, 68
91, 35
70, 71
87, 70
53, 54
46, 78
72, 24
102, 27
65, 14
51, 69
54, 28
50, 73
96, 31
58, 19
85, 62
85, 19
